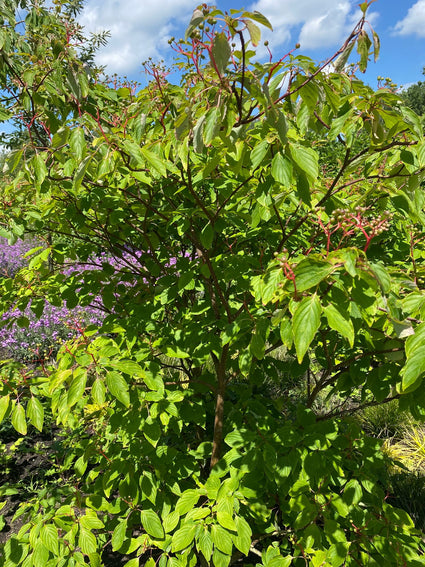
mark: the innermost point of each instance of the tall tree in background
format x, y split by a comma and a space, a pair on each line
237, 262
414, 97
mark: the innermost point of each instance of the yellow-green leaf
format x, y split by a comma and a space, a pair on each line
18, 419
152, 524
4, 406
35, 413
340, 321
306, 322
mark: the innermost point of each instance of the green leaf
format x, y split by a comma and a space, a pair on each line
307, 160
183, 537
40, 168
413, 370
282, 170
270, 284
23, 322
342, 59
305, 324
220, 53
198, 138
420, 152
259, 18
80, 172
152, 524
207, 236
77, 143
242, 539
154, 161
152, 431
91, 522
134, 151
376, 46
4, 406
220, 559
40, 555
310, 272
87, 541
257, 346
280, 561
259, 153
254, 32
135, 563
118, 535
128, 367
286, 333
225, 519
310, 94
170, 521
281, 127
77, 388
340, 321
98, 391
187, 501
415, 353
35, 413
73, 83
118, 387
5, 114
222, 539
382, 276
353, 492
149, 487
18, 419
212, 125
197, 18
50, 537
205, 544
363, 45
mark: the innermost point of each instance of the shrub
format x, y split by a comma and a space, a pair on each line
183, 451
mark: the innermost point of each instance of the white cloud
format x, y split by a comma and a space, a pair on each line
139, 29
414, 21
326, 29
314, 23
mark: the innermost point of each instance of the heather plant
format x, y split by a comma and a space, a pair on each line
36, 333
30, 338
12, 256
180, 453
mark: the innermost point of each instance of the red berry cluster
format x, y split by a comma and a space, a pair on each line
345, 223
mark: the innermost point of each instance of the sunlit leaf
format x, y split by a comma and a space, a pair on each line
306, 322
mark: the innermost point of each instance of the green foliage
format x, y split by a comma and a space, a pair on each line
245, 259
385, 421
414, 97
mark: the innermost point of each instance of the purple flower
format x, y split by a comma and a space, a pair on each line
11, 255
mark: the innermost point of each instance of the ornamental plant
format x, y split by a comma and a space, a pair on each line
36, 334
12, 257
260, 261
28, 338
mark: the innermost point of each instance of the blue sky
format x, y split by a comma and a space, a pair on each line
141, 29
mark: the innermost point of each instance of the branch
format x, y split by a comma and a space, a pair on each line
350, 411
220, 366
328, 61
